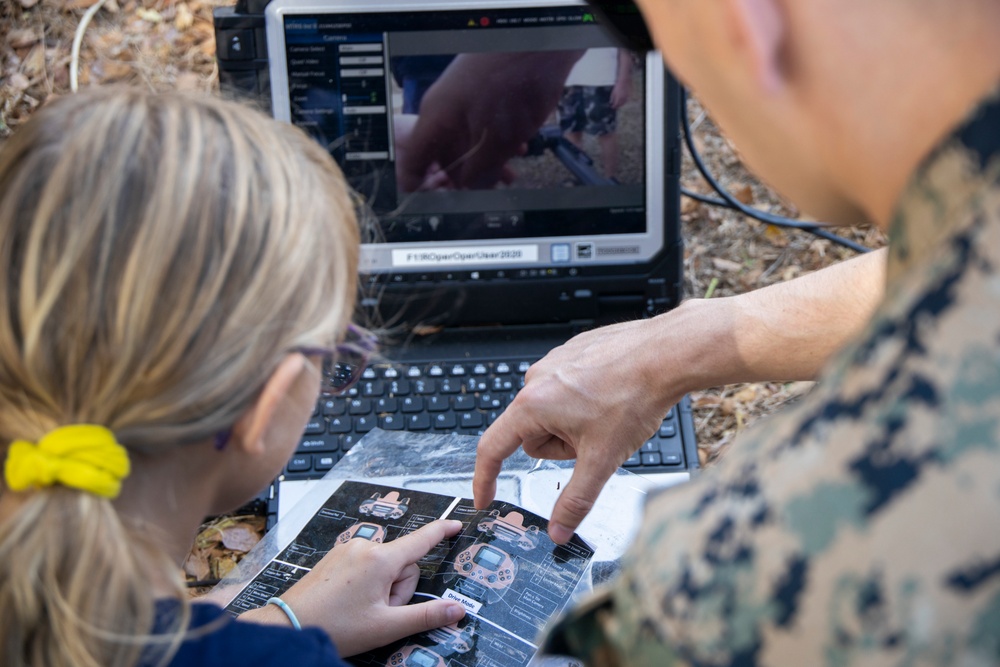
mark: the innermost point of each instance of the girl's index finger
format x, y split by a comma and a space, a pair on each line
412, 547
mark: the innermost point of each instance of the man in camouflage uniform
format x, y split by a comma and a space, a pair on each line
861, 526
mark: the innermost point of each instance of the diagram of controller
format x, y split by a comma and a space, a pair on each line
412, 655
486, 565
390, 507
362, 530
510, 529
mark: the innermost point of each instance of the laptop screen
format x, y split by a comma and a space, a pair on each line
361, 78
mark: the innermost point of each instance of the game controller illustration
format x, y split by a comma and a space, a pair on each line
510, 529
390, 507
452, 637
412, 655
363, 530
486, 565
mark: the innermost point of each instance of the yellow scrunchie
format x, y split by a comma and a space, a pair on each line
81, 456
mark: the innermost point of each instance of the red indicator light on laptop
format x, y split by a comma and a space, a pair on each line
485, 21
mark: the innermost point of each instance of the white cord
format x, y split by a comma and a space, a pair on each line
74, 61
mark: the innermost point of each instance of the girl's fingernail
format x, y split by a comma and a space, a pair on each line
455, 612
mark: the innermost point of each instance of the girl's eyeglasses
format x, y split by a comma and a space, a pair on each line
623, 19
344, 364
342, 367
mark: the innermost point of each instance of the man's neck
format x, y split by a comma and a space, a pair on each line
963, 68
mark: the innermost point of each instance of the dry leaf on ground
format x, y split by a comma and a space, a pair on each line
744, 195
726, 264
196, 566
240, 537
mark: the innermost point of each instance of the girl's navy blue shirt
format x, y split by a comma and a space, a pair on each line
233, 642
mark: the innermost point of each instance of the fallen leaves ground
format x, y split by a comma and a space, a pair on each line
170, 44
219, 546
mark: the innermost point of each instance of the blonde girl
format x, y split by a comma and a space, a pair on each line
175, 268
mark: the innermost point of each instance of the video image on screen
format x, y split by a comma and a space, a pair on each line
590, 132
511, 164
533, 127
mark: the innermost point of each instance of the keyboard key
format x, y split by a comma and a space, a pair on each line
501, 384
359, 406
651, 446
384, 405
490, 402
448, 386
668, 430
316, 427
300, 463
670, 413
437, 404
457, 370
480, 369
324, 463
424, 386
391, 423
472, 419
523, 367
399, 387
363, 424
445, 420
348, 441
492, 416
412, 404
420, 422
369, 374
633, 460
373, 389
650, 458
333, 407
413, 372
474, 385
463, 402
672, 459
324, 443
502, 368
390, 373
340, 425
435, 371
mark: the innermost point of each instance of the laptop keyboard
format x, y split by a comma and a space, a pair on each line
462, 398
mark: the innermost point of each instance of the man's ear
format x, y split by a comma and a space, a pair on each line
759, 31
250, 430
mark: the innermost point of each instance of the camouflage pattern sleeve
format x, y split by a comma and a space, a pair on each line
862, 525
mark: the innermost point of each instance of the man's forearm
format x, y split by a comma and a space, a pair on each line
786, 331
790, 330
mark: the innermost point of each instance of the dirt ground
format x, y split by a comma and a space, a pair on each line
170, 44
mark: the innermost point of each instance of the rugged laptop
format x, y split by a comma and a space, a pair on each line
475, 281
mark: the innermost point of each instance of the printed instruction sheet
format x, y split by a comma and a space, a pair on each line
502, 566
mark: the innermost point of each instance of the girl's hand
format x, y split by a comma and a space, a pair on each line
358, 592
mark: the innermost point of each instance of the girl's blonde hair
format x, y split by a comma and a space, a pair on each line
162, 253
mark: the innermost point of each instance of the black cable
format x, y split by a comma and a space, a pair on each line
705, 199
730, 202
